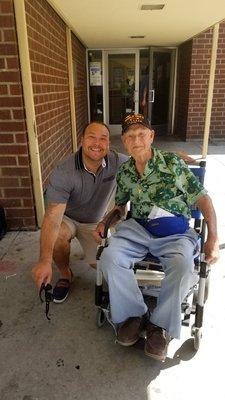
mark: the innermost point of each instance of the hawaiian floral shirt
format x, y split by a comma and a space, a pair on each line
167, 183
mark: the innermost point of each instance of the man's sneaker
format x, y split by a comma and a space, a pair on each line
61, 289
156, 342
129, 332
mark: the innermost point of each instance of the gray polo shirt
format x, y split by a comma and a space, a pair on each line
87, 195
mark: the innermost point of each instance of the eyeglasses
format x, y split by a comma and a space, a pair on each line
48, 297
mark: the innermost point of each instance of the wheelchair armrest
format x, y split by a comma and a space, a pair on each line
113, 217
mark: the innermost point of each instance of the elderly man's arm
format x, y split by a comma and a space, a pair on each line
211, 247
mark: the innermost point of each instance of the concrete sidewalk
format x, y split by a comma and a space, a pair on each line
69, 358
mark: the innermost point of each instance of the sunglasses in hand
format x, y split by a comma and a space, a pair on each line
48, 297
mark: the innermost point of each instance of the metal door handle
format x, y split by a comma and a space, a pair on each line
136, 96
151, 96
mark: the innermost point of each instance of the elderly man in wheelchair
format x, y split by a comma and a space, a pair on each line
161, 188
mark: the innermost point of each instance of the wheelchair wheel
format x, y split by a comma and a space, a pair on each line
206, 294
197, 338
207, 285
100, 317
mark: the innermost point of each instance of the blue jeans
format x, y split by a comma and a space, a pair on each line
131, 242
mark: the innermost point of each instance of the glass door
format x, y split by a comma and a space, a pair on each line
160, 91
121, 86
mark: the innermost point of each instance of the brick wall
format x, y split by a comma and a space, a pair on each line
80, 86
192, 87
49, 67
199, 79
183, 87
15, 176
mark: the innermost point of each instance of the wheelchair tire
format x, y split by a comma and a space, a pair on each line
100, 318
197, 338
206, 294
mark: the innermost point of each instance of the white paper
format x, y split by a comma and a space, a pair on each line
95, 74
158, 212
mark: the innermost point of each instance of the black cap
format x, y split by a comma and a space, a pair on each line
133, 119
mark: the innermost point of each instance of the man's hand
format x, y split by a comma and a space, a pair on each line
188, 159
211, 246
99, 232
42, 273
211, 250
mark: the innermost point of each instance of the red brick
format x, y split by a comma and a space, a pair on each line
7, 160
12, 63
25, 182
21, 138
28, 202
6, 138
9, 35
6, 7
3, 89
9, 182
5, 114
11, 203
14, 149
23, 160
15, 89
9, 76
30, 223
8, 49
2, 63
12, 126
6, 21
11, 101
19, 171
20, 212
18, 114
17, 193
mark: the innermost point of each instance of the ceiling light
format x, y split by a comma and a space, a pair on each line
137, 37
152, 7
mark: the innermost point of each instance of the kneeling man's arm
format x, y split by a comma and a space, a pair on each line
42, 271
211, 247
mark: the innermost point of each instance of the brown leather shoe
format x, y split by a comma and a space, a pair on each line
156, 343
129, 332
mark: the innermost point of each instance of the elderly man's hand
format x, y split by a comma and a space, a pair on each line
98, 233
211, 250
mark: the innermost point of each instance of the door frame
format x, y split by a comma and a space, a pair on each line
172, 90
105, 53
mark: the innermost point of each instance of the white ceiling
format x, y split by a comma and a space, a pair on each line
107, 24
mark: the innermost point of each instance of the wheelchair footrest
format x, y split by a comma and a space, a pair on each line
149, 277
147, 265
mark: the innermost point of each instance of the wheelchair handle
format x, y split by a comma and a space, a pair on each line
114, 216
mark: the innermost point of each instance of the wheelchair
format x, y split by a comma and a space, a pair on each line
149, 274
